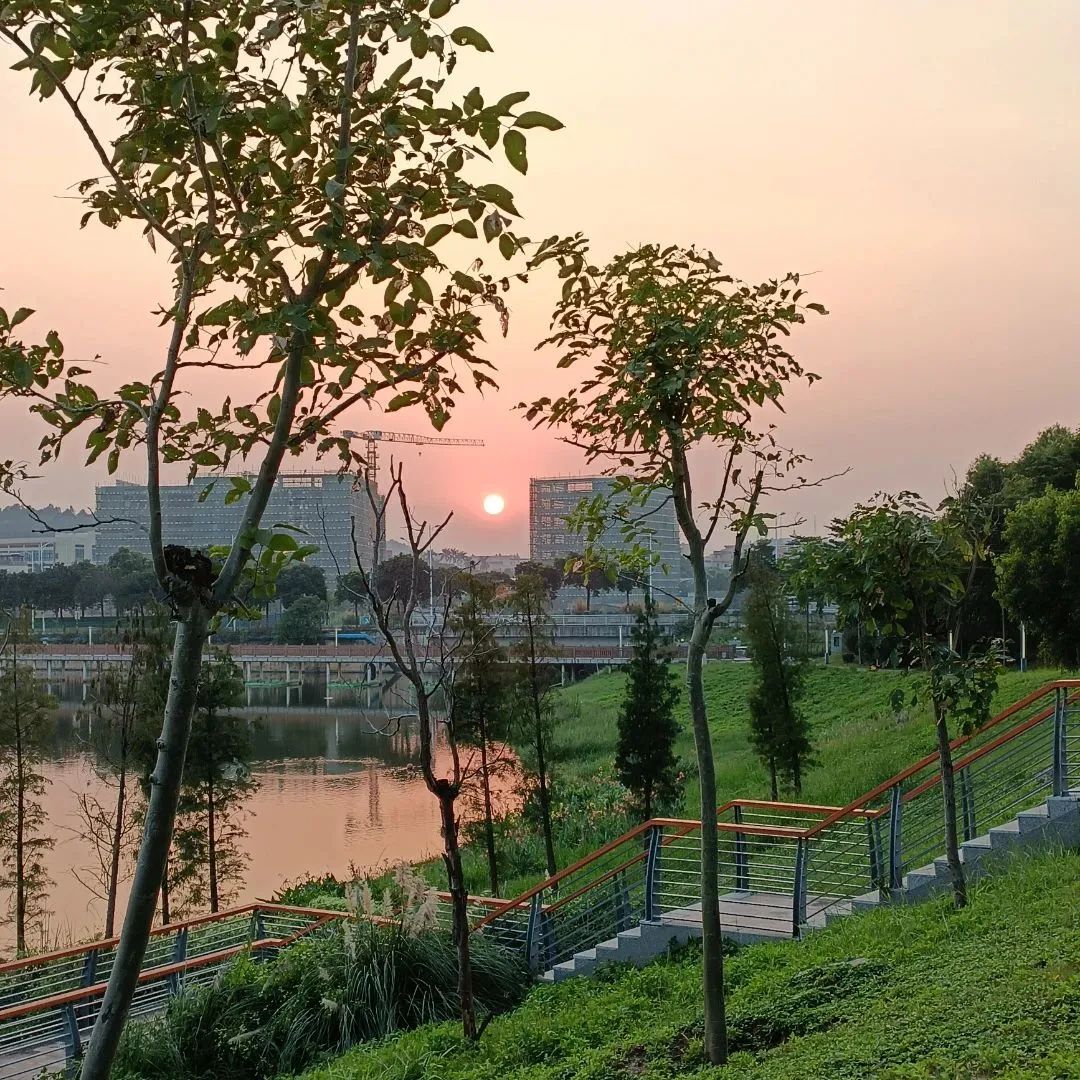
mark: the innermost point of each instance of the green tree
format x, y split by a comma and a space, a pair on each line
217, 784
349, 590
682, 356
645, 760
991, 490
296, 166
480, 700
302, 622
24, 727
530, 602
901, 571
1038, 571
550, 576
779, 731
127, 701
301, 579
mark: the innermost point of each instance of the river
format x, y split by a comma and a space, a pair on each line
334, 792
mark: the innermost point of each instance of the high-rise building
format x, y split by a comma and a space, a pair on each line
324, 505
553, 499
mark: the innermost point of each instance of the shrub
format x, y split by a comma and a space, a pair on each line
357, 982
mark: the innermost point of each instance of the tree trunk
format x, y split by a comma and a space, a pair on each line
20, 829
459, 899
154, 850
773, 789
489, 817
211, 848
541, 757
948, 795
545, 802
166, 910
114, 854
711, 930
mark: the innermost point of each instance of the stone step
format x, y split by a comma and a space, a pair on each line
1005, 836
1034, 820
869, 901
751, 917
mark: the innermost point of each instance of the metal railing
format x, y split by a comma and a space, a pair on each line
784, 866
49, 1002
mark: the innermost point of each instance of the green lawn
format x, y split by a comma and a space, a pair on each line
921, 993
858, 739
859, 742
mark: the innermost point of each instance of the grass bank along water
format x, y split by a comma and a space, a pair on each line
917, 993
859, 741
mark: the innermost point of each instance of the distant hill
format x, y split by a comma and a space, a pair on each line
16, 521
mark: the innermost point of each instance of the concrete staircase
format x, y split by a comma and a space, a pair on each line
1054, 823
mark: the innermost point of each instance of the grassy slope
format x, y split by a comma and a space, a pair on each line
859, 742
858, 739
993, 991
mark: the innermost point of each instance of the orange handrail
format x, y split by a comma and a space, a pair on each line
911, 770
832, 814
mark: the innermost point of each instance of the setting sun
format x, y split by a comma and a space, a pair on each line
494, 504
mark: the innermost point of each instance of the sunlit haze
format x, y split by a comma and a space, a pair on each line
919, 161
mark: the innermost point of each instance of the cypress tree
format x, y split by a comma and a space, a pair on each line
779, 731
645, 758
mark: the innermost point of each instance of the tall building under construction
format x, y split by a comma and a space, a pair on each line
323, 505
552, 499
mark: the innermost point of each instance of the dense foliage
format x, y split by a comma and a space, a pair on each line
263, 1019
779, 731
645, 760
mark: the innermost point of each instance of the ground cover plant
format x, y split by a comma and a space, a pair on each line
912, 993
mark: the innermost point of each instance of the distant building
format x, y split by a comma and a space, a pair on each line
34, 553
553, 499
324, 505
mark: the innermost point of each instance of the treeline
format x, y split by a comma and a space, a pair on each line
1014, 526
126, 583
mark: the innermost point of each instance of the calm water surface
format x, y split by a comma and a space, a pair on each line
334, 792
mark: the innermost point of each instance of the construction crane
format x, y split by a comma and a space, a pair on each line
371, 454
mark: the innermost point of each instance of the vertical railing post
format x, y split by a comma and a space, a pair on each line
258, 933
967, 804
72, 1040
89, 977
742, 855
873, 839
896, 856
532, 931
179, 956
1060, 765
654, 845
798, 899
623, 916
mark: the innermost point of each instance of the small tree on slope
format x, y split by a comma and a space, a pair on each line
645, 759
779, 731
683, 357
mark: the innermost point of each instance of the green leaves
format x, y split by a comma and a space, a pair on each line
534, 119
466, 35
499, 196
466, 228
436, 233
439, 8
514, 146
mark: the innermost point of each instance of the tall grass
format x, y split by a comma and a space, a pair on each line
318, 998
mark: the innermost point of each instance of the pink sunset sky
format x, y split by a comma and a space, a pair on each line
921, 160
